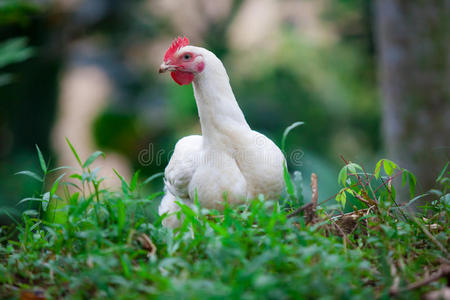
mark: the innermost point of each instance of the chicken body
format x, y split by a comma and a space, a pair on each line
229, 161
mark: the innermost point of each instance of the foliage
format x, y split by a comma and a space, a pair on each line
83, 241
358, 183
12, 51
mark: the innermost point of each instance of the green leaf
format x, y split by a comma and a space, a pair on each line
14, 50
350, 191
73, 200
289, 185
415, 199
56, 184
82, 206
342, 177
41, 160
125, 263
74, 152
378, 168
134, 180
286, 132
404, 177
154, 195
30, 174
389, 167
76, 176
187, 210
412, 184
60, 168
351, 168
65, 183
120, 215
153, 177
442, 172
30, 199
31, 212
341, 197
298, 186
92, 158
125, 187
45, 201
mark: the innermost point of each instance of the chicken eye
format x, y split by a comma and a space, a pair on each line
187, 56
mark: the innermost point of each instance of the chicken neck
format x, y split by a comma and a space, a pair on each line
221, 119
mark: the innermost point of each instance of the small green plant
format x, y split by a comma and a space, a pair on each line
373, 189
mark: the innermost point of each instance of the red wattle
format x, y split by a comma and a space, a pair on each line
182, 77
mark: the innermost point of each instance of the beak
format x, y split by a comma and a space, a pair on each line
163, 68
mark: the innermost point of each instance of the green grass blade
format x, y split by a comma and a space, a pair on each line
92, 158
41, 160
30, 174
442, 172
153, 177
134, 180
74, 152
286, 133
125, 186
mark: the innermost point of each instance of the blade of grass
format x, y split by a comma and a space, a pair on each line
74, 152
286, 133
30, 174
41, 160
92, 158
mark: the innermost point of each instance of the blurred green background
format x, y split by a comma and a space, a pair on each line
87, 70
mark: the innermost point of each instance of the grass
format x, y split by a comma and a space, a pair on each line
77, 240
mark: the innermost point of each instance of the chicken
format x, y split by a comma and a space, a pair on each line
229, 161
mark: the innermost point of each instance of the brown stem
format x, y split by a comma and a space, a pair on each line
310, 213
299, 210
443, 271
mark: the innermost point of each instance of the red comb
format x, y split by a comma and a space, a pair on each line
176, 44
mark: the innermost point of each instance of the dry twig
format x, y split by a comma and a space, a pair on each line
310, 212
443, 271
300, 210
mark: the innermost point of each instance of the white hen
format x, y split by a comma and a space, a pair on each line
229, 161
